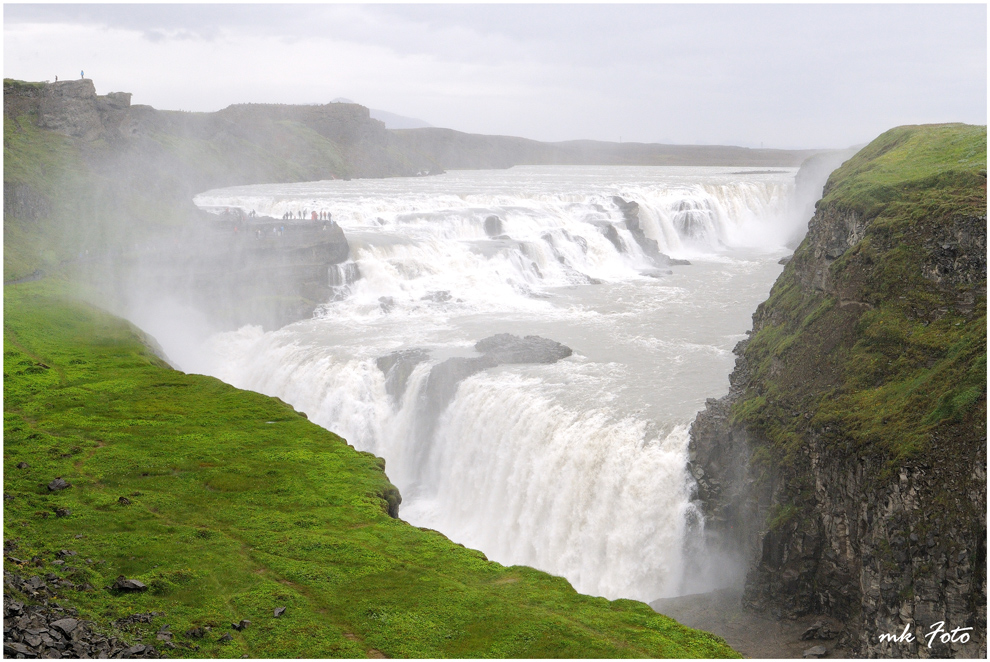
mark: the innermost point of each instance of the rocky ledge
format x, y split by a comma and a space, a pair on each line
500, 349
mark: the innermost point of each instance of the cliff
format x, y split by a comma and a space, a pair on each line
96, 184
848, 461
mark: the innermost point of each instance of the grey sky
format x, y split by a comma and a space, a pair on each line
781, 75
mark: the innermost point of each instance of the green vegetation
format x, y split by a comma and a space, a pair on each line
239, 505
38, 175
893, 355
922, 170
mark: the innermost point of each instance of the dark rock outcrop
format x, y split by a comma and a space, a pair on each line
73, 108
630, 213
613, 236
398, 367
496, 350
507, 348
862, 527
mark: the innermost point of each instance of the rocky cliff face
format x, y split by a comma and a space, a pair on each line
74, 109
848, 461
107, 187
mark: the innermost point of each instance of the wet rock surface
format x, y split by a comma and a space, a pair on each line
507, 348
398, 367
630, 213
502, 348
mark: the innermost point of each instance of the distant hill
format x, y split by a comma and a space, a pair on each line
452, 150
391, 120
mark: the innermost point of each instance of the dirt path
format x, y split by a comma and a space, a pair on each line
753, 635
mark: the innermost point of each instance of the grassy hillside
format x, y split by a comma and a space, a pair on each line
238, 505
890, 352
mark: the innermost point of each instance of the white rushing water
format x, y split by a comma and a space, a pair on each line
576, 467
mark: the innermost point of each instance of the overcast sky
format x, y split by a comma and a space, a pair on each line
790, 76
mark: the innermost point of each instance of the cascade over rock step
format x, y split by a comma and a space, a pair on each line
499, 349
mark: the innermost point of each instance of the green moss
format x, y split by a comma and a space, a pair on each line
906, 363
238, 505
782, 515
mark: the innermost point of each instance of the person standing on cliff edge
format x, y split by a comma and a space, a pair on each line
82, 74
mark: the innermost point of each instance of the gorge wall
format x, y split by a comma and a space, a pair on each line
848, 460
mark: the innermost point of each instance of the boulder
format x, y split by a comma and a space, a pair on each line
65, 625
279, 611
129, 585
22, 465
58, 484
819, 630
815, 651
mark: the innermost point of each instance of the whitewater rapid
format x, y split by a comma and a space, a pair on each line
576, 467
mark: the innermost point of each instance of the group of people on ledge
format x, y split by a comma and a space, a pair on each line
277, 230
316, 216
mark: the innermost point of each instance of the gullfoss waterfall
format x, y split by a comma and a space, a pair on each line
572, 462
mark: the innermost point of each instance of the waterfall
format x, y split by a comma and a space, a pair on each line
576, 467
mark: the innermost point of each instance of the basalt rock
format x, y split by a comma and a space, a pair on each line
48, 630
826, 522
496, 350
398, 367
630, 213
59, 484
507, 348
129, 585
